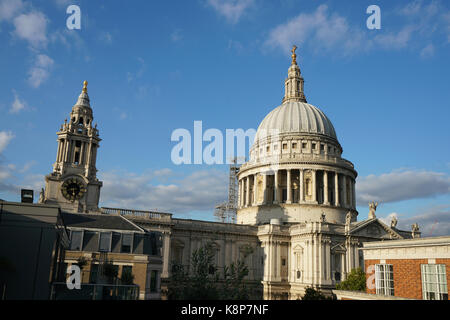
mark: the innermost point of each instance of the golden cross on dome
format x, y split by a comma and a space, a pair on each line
294, 56
85, 83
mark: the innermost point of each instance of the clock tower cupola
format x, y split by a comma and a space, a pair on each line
73, 184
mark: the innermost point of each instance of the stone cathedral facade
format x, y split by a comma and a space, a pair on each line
297, 208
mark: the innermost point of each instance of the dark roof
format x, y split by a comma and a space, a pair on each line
97, 221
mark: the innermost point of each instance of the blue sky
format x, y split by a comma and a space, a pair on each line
155, 66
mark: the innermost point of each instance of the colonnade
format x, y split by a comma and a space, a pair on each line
297, 186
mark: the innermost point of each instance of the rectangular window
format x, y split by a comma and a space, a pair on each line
76, 240
434, 282
284, 146
153, 280
93, 277
313, 146
105, 242
126, 242
322, 147
127, 269
384, 279
304, 145
294, 145
268, 148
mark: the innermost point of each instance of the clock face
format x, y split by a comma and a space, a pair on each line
73, 189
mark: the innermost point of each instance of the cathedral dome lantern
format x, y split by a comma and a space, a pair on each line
295, 171
73, 184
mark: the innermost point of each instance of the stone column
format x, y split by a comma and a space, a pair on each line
328, 258
247, 195
344, 191
255, 188
314, 188
239, 193
276, 200
343, 267
267, 260
66, 151
264, 188
81, 153
336, 188
243, 192
354, 194
325, 188
301, 187
59, 151
166, 254
289, 187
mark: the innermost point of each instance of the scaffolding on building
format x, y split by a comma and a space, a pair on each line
226, 211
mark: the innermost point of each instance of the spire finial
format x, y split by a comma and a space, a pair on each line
293, 85
294, 56
85, 83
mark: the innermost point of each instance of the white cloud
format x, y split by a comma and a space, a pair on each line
433, 221
40, 70
5, 139
9, 9
401, 185
12, 178
32, 27
322, 31
395, 40
446, 19
44, 61
17, 104
319, 30
232, 10
201, 190
427, 51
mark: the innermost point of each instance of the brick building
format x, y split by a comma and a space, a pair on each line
413, 268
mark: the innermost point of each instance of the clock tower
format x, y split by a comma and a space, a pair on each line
73, 184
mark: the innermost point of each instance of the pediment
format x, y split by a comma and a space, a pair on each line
374, 229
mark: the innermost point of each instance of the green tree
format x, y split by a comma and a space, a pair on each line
234, 286
356, 281
109, 271
205, 282
312, 294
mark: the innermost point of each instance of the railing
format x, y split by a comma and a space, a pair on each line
138, 213
60, 291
